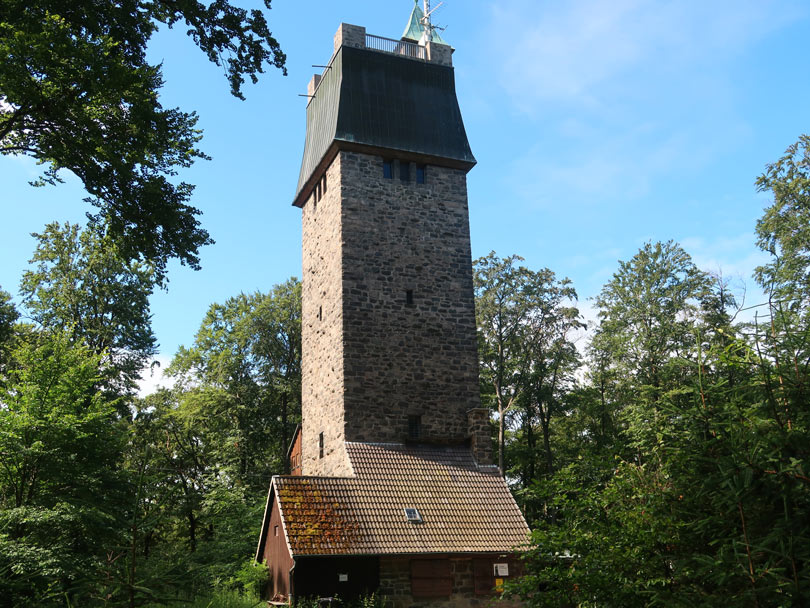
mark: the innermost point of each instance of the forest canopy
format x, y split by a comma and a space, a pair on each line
661, 455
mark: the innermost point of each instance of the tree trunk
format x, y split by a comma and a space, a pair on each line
544, 425
192, 529
284, 439
501, 439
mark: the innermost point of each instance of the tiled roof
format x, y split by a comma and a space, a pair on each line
464, 508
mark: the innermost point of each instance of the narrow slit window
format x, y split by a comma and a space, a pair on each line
323, 184
420, 174
388, 169
320, 313
275, 530
409, 297
414, 427
404, 172
320, 445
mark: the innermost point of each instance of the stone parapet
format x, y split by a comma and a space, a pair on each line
350, 35
313, 84
439, 53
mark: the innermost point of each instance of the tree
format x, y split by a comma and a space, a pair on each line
82, 285
687, 482
200, 456
784, 229
59, 443
8, 316
647, 311
524, 332
243, 376
77, 93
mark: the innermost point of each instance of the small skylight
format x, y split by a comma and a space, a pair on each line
413, 516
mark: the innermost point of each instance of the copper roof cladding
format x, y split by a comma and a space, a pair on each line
465, 508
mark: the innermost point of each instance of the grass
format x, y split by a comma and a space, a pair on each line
217, 599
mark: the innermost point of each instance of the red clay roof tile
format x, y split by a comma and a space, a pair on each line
465, 508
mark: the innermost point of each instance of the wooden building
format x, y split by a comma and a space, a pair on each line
415, 522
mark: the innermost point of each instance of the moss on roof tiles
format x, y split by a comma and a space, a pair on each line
473, 512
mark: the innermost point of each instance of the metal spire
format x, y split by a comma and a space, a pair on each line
427, 24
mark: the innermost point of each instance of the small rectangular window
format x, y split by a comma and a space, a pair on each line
409, 297
275, 530
413, 515
388, 169
414, 427
320, 445
323, 184
420, 174
404, 172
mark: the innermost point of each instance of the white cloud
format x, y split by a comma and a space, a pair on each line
573, 51
625, 92
732, 258
152, 377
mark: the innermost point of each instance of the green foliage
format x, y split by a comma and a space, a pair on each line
244, 381
216, 599
82, 285
8, 316
525, 323
59, 441
686, 481
784, 229
198, 463
370, 601
251, 578
76, 93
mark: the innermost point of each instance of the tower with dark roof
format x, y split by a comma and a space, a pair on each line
389, 339
393, 490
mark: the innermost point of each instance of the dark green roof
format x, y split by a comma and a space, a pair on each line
376, 101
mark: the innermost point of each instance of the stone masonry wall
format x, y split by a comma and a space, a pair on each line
371, 359
322, 332
405, 359
395, 587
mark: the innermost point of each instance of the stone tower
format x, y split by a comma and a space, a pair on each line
389, 338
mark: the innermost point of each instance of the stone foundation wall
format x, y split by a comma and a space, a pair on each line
395, 587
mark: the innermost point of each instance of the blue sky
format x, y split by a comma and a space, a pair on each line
597, 125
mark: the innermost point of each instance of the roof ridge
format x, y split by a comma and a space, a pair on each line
353, 478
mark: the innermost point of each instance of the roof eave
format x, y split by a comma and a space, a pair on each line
338, 145
512, 551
